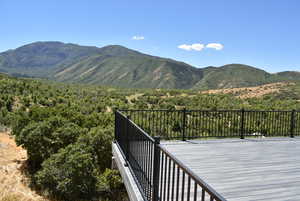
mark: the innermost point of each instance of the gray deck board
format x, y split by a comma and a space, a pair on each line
243, 170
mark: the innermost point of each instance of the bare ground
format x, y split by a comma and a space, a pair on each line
133, 97
108, 109
13, 184
251, 92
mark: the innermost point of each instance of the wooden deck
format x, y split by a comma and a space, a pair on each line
245, 170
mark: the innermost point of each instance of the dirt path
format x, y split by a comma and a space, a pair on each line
13, 185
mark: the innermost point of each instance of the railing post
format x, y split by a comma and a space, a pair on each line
292, 123
183, 124
115, 113
242, 130
156, 165
127, 139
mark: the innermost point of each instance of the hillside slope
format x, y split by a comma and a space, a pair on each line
131, 70
40, 58
119, 66
234, 75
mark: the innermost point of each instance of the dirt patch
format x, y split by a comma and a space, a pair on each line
133, 97
13, 184
179, 95
108, 109
251, 92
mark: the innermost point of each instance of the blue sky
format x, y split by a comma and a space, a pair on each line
262, 33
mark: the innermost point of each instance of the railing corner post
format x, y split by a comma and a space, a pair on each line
156, 165
292, 123
242, 131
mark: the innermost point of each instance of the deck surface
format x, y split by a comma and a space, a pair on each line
243, 170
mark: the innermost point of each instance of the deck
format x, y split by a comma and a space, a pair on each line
245, 170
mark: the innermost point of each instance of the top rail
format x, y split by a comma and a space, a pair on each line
188, 124
202, 110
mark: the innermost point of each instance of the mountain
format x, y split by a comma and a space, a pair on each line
119, 66
231, 76
40, 58
289, 75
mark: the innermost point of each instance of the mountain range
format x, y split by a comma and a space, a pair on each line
116, 65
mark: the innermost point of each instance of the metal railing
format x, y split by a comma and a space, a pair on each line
189, 124
178, 182
137, 148
159, 175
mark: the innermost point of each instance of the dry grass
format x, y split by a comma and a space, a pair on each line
13, 184
251, 92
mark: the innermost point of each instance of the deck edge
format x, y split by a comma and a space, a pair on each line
128, 179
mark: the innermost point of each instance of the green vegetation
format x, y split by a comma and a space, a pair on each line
119, 66
68, 129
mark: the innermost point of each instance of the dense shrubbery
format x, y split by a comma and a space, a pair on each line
42, 139
67, 129
77, 169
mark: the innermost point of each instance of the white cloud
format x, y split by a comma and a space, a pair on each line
199, 46
138, 38
216, 46
185, 47
195, 46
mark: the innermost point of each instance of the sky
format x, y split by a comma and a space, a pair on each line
260, 33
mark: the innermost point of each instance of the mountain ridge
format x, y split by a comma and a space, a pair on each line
117, 65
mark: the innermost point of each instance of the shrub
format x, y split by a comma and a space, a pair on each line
69, 174
98, 142
75, 171
41, 139
111, 185
21, 120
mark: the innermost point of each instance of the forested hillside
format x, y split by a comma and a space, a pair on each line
115, 65
67, 129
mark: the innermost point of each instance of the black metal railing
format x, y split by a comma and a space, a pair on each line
178, 182
138, 150
189, 124
159, 175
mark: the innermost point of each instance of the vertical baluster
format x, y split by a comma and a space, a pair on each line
182, 186
203, 195
162, 175
165, 174
147, 142
189, 189
169, 180
177, 183
173, 181
195, 191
